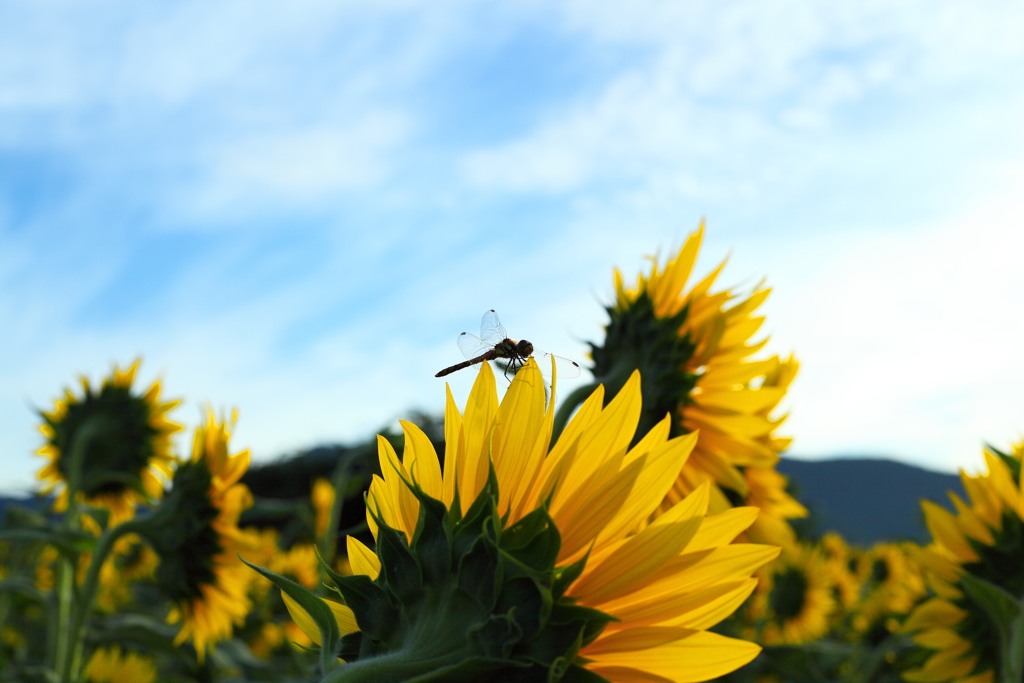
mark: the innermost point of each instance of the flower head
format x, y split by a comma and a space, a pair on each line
892, 584
111, 665
322, 496
118, 440
694, 348
983, 541
525, 556
195, 532
795, 598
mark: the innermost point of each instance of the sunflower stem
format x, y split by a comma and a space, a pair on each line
1013, 650
391, 668
65, 598
74, 642
65, 565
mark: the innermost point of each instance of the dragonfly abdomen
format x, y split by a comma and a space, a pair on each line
490, 355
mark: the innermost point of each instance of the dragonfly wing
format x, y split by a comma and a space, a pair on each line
491, 331
566, 368
471, 346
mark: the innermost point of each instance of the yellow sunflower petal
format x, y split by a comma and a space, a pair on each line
362, 559
698, 657
943, 527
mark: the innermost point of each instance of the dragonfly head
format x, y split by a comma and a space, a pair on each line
524, 348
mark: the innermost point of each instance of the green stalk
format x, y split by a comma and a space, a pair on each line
65, 566
329, 542
1012, 668
74, 643
65, 599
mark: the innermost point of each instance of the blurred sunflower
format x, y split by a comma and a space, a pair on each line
124, 440
322, 497
550, 562
892, 584
841, 564
984, 539
794, 599
693, 349
298, 562
111, 665
131, 560
195, 532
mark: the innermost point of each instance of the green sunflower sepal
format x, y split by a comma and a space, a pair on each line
637, 339
1007, 615
466, 600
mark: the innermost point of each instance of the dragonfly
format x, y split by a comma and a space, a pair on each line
494, 344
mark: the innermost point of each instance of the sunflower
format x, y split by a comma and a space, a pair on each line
131, 560
984, 540
550, 568
195, 532
111, 665
124, 440
694, 351
892, 585
322, 496
841, 563
794, 601
264, 630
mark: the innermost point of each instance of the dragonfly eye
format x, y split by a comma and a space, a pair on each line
524, 348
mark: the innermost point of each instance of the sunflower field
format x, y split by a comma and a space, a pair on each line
633, 531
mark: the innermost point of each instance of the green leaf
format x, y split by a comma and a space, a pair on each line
1000, 606
68, 542
22, 587
139, 629
1013, 657
330, 634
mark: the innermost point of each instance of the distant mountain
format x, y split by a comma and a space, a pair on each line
864, 499
868, 499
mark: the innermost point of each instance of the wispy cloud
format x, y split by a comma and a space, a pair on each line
295, 209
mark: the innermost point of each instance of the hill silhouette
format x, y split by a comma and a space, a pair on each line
868, 499
864, 499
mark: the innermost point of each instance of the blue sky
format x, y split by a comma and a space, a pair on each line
294, 208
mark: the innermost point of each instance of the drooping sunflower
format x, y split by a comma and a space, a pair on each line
693, 348
526, 559
124, 439
195, 533
984, 539
795, 600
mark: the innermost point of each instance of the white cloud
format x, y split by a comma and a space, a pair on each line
726, 88
298, 167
